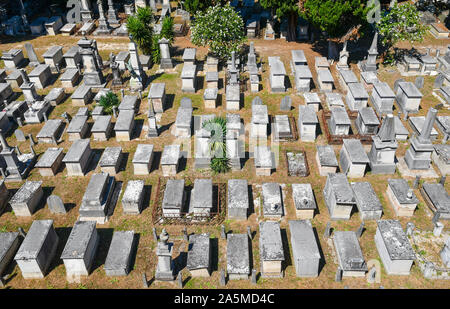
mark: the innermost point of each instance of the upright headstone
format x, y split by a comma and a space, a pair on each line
138, 77
20, 137
286, 103
32, 57
327, 232
180, 280
112, 14
371, 275
155, 235
410, 228
442, 180
416, 182
223, 235
249, 232
429, 269
438, 227
144, 281
56, 205
338, 277
222, 278
419, 82
253, 276
360, 230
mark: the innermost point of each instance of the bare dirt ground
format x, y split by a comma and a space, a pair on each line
71, 189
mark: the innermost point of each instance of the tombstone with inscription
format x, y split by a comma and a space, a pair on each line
402, 197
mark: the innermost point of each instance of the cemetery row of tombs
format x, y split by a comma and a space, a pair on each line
348, 123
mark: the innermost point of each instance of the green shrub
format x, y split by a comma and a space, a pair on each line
108, 101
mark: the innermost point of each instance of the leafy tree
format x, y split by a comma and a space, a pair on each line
108, 101
335, 17
166, 32
400, 23
285, 8
193, 6
220, 28
139, 27
217, 145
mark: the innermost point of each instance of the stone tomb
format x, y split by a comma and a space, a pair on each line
110, 160
238, 256
54, 57
277, 75
80, 250
367, 201
357, 96
305, 249
212, 79
53, 25
382, 98
367, 121
334, 99
122, 59
68, 29
339, 123
260, 120
201, 197
199, 255
321, 63
271, 252
437, 199
347, 77
129, 102
27, 198
169, 160
297, 165
41, 76
183, 122
124, 126
263, 158
237, 199
353, 158
441, 158
188, 78
272, 200
96, 112
339, 197
36, 112
233, 98
281, 128
51, 131
349, 254
70, 78
4, 197
401, 132
325, 79
428, 65
326, 160
369, 79
394, 248
402, 197
37, 249
82, 95
102, 128
142, 160
189, 55
50, 162
307, 123
417, 122
304, 200
15, 79
9, 244
78, 157
96, 202
210, 98
133, 198
445, 253
13, 58
14, 110
408, 97
157, 96
55, 96
303, 78
118, 259
212, 64
312, 99
6, 92
174, 198
78, 128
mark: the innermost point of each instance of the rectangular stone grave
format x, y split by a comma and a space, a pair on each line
102, 128
68, 29
133, 198
438, 30
157, 96
36, 112
338, 196
272, 200
50, 162
334, 99
237, 199
51, 131
353, 158
296, 164
394, 248
339, 123
5, 92
110, 160
78, 157
124, 126
305, 249
401, 133
416, 123
53, 25
15, 79
428, 65
271, 250
303, 78
263, 161
201, 197
183, 122
408, 97
122, 59
53, 57
382, 98
55, 96
188, 78
9, 244
118, 259
281, 128
87, 28
350, 257
347, 77
80, 250
199, 255
129, 102
78, 128
437, 199
70, 78
402, 197
82, 111
169, 160
326, 160
142, 160
15, 109
41, 76
37, 250
321, 63
233, 98
325, 79
357, 96
97, 198
304, 200
277, 75
189, 55
212, 64
369, 206
13, 58
27, 198
238, 256
369, 79
367, 121
4, 197
212, 79
82, 95
307, 123
96, 112
174, 197
260, 120
441, 158
210, 98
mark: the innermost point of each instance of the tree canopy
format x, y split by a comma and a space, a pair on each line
193, 6
220, 28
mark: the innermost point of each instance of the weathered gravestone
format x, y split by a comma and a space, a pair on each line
20, 136
56, 205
